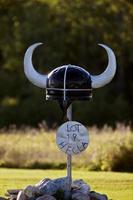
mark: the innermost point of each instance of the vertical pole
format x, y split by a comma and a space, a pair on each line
69, 113
69, 157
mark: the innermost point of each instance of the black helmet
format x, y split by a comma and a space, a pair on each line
68, 83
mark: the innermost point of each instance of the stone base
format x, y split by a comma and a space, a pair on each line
56, 189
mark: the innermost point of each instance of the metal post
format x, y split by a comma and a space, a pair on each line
69, 158
69, 113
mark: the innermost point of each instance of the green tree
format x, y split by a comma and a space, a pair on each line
70, 31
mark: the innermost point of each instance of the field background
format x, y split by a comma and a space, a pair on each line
118, 186
70, 31
109, 150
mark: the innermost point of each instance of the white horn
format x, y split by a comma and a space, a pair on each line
108, 74
32, 75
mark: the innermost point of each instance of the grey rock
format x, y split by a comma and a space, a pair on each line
31, 191
80, 196
77, 183
13, 197
42, 182
97, 196
21, 196
80, 186
52, 186
13, 191
46, 197
32, 198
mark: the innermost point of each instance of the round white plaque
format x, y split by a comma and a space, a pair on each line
72, 137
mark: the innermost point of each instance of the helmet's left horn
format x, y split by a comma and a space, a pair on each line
32, 75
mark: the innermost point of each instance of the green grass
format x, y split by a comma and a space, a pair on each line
118, 186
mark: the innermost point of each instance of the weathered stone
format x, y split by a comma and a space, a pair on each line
77, 183
14, 191
21, 196
80, 196
81, 186
97, 196
32, 198
46, 197
42, 182
52, 186
31, 191
13, 196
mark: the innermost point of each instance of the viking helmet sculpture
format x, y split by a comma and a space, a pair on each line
69, 82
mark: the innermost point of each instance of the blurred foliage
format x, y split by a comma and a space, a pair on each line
70, 31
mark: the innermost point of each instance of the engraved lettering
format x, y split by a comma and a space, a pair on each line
85, 144
79, 148
75, 152
69, 148
73, 128
68, 135
62, 144
74, 137
68, 128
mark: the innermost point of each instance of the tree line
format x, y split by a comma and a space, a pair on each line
70, 31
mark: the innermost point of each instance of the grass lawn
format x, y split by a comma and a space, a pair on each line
118, 186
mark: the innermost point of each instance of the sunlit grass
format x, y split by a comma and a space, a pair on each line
36, 148
118, 186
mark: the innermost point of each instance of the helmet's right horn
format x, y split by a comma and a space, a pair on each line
33, 76
108, 74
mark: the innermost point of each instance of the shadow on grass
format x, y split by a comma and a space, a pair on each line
35, 165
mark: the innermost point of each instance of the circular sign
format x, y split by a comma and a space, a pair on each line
72, 137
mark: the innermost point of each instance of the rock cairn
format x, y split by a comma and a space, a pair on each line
55, 189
